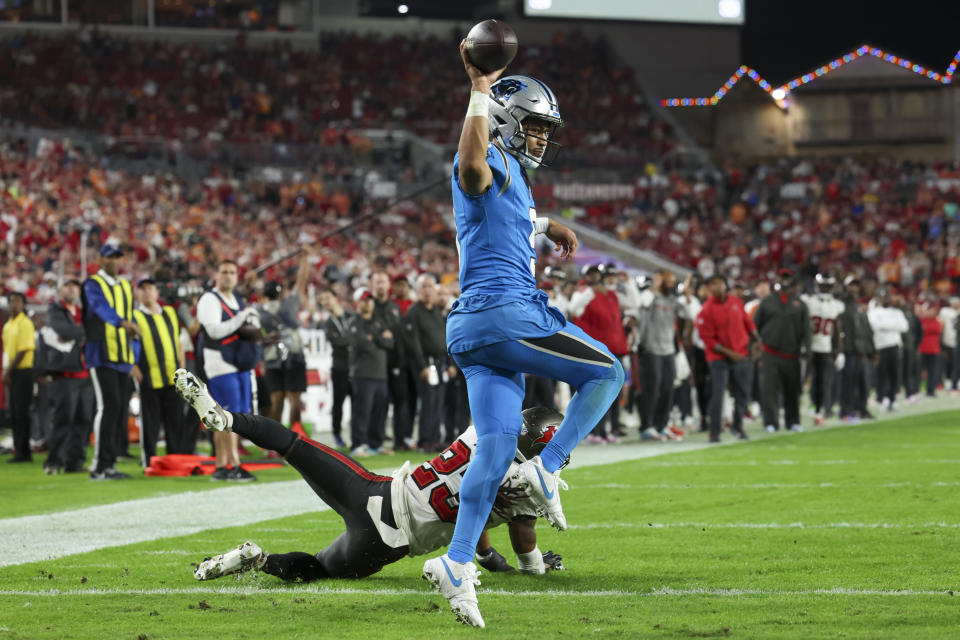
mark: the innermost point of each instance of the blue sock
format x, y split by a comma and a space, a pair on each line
478, 490
585, 410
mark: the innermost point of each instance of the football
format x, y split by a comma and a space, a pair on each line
491, 45
249, 331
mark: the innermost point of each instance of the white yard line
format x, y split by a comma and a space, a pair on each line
766, 525
550, 593
767, 485
786, 463
54, 535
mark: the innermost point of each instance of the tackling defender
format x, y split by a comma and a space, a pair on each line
502, 326
387, 517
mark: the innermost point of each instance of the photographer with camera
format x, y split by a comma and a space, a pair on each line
283, 358
230, 350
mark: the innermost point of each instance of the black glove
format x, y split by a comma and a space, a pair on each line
553, 561
492, 561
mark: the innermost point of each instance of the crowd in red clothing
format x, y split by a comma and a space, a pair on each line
893, 224
896, 222
56, 196
53, 199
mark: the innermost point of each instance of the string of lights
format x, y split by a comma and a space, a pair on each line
781, 95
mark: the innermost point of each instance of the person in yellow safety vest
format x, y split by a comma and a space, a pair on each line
160, 355
19, 347
111, 350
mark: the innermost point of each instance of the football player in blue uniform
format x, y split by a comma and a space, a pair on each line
502, 326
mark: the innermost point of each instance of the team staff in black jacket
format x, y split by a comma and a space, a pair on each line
390, 315
60, 359
337, 330
783, 323
910, 363
370, 341
425, 336
857, 336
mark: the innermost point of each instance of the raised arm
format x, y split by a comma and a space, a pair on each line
475, 176
303, 273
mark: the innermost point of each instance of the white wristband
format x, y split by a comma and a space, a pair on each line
479, 104
531, 562
541, 224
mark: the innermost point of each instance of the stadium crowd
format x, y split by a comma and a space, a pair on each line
193, 93
388, 351
889, 298
895, 222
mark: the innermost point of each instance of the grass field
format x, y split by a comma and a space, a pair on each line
841, 533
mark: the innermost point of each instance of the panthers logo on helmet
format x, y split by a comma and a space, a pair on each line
507, 87
547, 434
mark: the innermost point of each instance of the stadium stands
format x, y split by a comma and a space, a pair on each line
196, 93
890, 221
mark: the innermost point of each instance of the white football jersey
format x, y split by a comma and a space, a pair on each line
426, 499
824, 311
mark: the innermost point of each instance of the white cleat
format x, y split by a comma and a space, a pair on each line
543, 487
456, 583
247, 556
212, 415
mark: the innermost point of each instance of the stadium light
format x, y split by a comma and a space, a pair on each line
730, 9
403, 9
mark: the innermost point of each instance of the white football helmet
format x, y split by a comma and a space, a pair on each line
514, 99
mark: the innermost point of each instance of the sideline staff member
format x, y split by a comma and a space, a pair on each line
18, 343
110, 351
161, 355
228, 362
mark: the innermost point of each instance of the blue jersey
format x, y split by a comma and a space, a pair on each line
495, 229
499, 299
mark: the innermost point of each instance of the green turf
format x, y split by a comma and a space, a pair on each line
873, 509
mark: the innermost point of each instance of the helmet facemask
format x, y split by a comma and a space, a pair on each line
513, 101
825, 282
550, 150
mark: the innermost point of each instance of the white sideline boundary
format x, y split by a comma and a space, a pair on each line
550, 593
54, 535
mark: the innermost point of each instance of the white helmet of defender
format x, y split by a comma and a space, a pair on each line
514, 99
